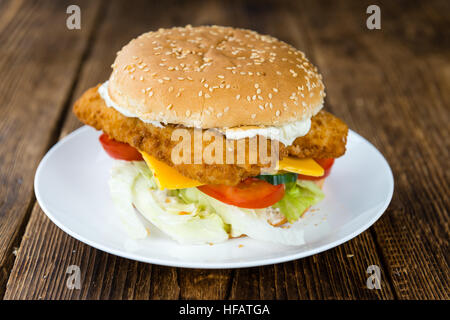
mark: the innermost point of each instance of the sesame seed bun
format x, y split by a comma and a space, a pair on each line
214, 77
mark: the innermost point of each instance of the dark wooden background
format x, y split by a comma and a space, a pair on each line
391, 85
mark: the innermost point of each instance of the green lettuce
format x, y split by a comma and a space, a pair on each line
297, 198
251, 222
132, 186
203, 219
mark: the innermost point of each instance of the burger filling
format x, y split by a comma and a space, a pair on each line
208, 203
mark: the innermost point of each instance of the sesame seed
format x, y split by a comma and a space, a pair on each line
200, 93
277, 113
253, 115
238, 96
169, 106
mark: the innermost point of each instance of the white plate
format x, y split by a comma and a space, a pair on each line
71, 187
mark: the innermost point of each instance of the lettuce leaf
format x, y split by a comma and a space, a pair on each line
132, 186
297, 198
251, 222
203, 219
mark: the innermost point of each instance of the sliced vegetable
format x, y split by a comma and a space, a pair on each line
281, 178
251, 222
132, 186
299, 197
119, 150
251, 193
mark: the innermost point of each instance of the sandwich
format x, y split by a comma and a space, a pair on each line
215, 133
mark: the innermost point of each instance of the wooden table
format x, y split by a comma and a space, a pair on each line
391, 85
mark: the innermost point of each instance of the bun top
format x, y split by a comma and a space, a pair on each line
214, 77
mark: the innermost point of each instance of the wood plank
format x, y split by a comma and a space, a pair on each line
339, 273
330, 275
389, 86
40, 272
312, 278
35, 58
216, 284
345, 58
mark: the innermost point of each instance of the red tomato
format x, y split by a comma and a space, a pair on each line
326, 164
251, 193
119, 150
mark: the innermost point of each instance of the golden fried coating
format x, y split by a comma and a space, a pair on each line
92, 110
326, 138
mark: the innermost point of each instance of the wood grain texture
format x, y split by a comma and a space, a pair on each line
29, 104
163, 282
391, 85
112, 277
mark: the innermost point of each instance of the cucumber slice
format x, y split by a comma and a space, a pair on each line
281, 178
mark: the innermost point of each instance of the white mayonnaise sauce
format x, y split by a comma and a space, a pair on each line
103, 91
286, 134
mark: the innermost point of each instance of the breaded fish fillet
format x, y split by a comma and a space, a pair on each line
92, 110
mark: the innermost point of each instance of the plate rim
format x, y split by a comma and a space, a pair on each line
204, 265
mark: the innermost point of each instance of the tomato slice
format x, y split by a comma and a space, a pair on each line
119, 150
251, 193
326, 164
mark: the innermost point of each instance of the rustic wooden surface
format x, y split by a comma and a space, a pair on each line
391, 85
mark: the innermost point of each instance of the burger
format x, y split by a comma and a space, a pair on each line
215, 133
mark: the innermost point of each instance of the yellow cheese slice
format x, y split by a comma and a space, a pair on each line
307, 167
167, 177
